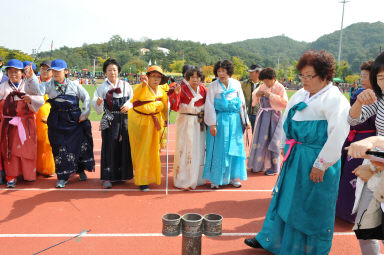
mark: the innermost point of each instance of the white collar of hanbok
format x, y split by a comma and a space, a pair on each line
194, 93
19, 85
116, 85
155, 93
308, 99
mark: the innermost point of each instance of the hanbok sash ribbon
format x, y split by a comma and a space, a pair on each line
109, 97
153, 115
291, 143
352, 133
16, 121
154, 118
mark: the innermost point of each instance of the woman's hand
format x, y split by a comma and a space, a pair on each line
316, 175
99, 101
364, 172
27, 99
378, 165
124, 109
367, 97
144, 80
28, 71
260, 93
213, 130
359, 148
177, 89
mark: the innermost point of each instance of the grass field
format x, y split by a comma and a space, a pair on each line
95, 117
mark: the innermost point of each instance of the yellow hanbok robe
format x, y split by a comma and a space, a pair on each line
45, 161
144, 136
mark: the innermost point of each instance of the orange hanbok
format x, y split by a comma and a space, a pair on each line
45, 161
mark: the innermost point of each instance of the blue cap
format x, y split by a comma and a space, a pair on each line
27, 63
15, 63
58, 65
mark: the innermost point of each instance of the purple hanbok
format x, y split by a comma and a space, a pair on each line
347, 187
265, 148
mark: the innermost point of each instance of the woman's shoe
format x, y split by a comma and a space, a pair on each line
144, 188
107, 185
213, 186
83, 176
61, 183
270, 172
235, 183
252, 242
11, 183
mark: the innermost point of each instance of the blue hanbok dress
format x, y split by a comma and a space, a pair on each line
301, 215
225, 153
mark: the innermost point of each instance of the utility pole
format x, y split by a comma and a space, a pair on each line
341, 32
94, 67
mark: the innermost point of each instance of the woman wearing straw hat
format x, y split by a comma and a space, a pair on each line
18, 130
146, 122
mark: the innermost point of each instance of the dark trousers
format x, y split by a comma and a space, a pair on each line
252, 119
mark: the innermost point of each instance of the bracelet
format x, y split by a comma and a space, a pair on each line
372, 167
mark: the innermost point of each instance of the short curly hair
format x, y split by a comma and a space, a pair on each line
225, 64
191, 71
366, 66
111, 61
267, 74
322, 61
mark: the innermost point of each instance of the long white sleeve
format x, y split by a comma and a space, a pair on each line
209, 108
98, 108
336, 111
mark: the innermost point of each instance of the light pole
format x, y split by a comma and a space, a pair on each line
341, 32
94, 67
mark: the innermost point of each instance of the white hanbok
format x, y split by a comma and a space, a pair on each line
190, 139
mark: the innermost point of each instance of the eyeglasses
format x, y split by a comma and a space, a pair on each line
364, 77
307, 77
380, 78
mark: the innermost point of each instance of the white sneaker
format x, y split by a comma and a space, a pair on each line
235, 183
213, 186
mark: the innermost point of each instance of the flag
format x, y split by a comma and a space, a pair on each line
52, 45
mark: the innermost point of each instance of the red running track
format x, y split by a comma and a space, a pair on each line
124, 220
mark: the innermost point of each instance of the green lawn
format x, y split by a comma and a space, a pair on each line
95, 117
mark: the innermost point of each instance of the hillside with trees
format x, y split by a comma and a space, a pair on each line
361, 42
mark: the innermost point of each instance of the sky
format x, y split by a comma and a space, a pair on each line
27, 24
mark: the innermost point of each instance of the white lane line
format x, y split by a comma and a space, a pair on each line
137, 190
134, 235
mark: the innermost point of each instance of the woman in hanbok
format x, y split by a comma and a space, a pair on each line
146, 123
18, 129
225, 116
112, 99
69, 130
45, 161
188, 100
370, 102
265, 149
348, 164
301, 215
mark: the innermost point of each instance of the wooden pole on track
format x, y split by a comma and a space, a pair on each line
166, 180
